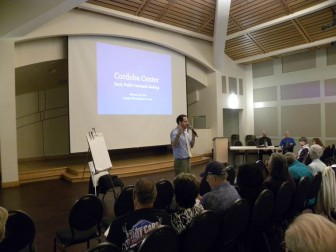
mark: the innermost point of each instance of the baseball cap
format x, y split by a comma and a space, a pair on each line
213, 168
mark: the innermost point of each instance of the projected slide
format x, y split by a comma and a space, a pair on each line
132, 81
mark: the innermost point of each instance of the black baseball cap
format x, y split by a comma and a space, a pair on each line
213, 168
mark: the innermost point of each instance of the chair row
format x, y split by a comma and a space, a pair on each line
20, 232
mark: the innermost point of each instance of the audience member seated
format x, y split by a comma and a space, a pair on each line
278, 173
250, 182
222, 193
310, 233
264, 140
186, 188
304, 150
3, 221
129, 230
315, 152
297, 169
287, 143
317, 141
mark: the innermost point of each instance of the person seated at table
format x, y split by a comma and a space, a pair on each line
297, 169
128, 231
264, 140
304, 150
318, 141
278, 173
250, 182
287, 143
186, 189
222, 193
310, 233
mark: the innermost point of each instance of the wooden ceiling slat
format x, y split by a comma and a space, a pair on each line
194, 5
258, 11
179, 12
197, 16
298, 5
187, 20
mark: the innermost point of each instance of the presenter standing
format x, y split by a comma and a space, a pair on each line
182, 143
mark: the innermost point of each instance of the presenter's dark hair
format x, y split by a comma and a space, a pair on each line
180, 118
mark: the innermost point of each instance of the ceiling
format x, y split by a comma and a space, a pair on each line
258, 30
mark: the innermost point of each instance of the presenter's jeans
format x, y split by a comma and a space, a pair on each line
182, 165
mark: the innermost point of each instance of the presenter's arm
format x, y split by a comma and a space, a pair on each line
176, 138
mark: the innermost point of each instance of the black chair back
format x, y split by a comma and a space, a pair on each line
251, 142
86, 213
84, 221
108, 183
201, 233
300, 196
163, 239
315, 186
234, 223
283, 201
165, 194
124, 201
234, 137
237, 143
262, 167
105, 247
231, 174
20, 232
261, 216
262, 210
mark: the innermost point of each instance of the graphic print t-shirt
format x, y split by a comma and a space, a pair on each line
129, 230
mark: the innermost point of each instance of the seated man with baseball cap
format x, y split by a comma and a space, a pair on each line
222, 193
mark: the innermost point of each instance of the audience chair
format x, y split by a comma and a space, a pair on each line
300, 197
105, 247
314, 190
231, 174
233, 225
84, 223
20, 233
107, 183
163, 239
124, 202
165, 194
261, 221
262, 167
201, 233
122, 205
283, 201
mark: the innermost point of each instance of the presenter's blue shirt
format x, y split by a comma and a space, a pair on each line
181, 150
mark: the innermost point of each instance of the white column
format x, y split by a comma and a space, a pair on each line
8, 144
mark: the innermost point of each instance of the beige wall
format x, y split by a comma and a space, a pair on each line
298, 96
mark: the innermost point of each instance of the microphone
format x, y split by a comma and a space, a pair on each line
193, 131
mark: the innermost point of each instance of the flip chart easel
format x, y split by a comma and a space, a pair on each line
101, 163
